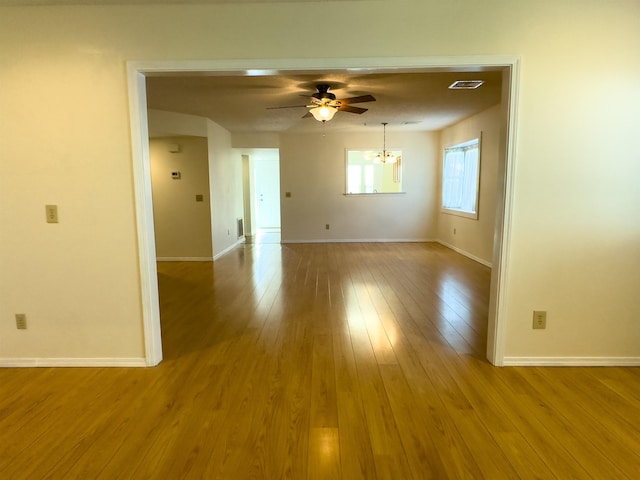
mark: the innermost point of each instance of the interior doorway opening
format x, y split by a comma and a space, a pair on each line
148, 272
264, 196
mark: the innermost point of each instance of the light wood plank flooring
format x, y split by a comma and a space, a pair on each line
338, 361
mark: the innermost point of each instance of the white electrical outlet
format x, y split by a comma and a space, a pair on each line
52, 213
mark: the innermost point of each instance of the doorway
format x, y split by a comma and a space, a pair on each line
266, 178
265, 198
137, 72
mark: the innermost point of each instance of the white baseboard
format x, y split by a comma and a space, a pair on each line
72, 362
572, 361
362, 240
229, 248
184, 259
466, 254
240, 241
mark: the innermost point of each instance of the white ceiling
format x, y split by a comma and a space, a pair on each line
144, 2
413, 101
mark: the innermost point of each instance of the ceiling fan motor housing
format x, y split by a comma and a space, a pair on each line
323, 93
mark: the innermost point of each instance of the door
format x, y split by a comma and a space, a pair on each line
267, 183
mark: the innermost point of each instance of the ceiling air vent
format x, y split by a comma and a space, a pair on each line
465, 84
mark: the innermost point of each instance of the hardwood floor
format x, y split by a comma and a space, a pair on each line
322, 361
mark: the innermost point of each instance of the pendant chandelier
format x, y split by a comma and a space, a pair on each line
384, 156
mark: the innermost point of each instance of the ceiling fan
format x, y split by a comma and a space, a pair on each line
324, 104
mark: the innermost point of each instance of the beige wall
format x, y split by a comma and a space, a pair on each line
225, 171
182, 225
65, 135
474, 237
313, 169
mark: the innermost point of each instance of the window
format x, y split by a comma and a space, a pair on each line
460, 179
365, 175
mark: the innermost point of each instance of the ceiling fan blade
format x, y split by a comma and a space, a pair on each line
322, 97
350, 109
288, 106
360, 99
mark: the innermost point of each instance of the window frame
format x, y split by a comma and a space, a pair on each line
475, 140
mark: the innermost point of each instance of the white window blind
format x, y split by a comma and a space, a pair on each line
460, 178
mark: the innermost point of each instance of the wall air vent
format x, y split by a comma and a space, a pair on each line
465, 84
240, 227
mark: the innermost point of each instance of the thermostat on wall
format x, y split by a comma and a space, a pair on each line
175, 175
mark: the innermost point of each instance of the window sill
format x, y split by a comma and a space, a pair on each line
459, 213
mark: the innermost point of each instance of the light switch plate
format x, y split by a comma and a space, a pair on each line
21, 321
539, 319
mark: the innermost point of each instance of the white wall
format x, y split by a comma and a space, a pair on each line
474, 237
65, 136
163, 123
182, 224
313, 169
256, 140
225, 178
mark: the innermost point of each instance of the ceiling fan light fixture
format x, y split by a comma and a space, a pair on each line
323, 113
323, 105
